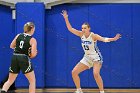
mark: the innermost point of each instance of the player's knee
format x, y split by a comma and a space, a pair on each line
74, 72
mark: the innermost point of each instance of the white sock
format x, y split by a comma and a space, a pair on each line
79, 89
102, 92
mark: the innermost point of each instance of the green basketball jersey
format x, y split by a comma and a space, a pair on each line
23, 43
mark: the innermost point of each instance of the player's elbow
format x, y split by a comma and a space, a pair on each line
11, 46
33, 54
70, 29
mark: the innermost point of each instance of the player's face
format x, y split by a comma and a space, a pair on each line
33, 30
85, 29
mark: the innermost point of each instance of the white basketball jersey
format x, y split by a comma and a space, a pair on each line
89, 45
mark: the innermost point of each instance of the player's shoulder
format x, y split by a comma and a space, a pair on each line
94, 35
82, 37
17, 35
33, 39
20, 34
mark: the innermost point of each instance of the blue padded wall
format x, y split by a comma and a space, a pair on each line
135, 46
6, 36
56, 44
121, 60
34, 12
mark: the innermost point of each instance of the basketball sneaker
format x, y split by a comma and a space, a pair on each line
78, 91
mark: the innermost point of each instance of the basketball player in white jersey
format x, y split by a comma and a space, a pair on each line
92, 55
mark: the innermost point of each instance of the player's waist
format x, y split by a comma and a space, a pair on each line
91, 53
19, 54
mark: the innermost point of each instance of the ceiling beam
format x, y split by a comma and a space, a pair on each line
106, 1
12, 3
50, 3
2, 2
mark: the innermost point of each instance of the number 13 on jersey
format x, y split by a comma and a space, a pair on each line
86, 47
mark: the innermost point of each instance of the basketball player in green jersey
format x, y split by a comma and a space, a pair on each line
25, 47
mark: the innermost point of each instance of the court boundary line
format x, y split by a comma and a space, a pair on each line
84, 90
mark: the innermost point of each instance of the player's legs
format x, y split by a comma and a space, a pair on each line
80, 67
27, 69
96, 72
14, 70
9, 82
31, 78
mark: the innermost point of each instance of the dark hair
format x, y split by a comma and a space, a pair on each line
86, 23
28, 26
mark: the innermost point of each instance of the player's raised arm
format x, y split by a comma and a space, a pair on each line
72, 30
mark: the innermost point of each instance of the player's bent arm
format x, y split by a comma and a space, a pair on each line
72, 30
105, 39
33, 44
13, 43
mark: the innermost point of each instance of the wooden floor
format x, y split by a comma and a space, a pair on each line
84, 90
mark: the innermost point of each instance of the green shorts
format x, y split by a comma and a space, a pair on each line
20, 62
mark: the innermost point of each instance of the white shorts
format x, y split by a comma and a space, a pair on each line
88, 60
